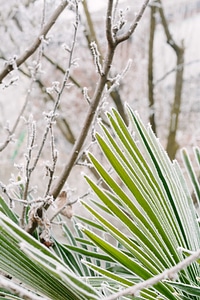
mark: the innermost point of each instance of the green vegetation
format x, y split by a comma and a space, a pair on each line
143, 223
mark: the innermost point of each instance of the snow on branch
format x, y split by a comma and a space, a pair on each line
27, 53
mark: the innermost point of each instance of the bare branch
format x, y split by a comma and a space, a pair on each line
94, 100
109, 19
37, 42
84, 131
61, 121
169, 273
96, 56
169, 36
91, 36
12, 131
51, 116
62, 70
51, 169
132, 28
151, 68
172, 145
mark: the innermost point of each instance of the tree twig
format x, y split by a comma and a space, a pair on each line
51, 168
97, 94
169, 273
91, 36
109, 20
12, 131
57, 66
172, 145
51, 115
37, 42
151, 68
133, 26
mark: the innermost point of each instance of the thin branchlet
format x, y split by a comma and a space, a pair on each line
28, 155
33, 71
54, 154
11, 132
86, 96
96, 56
97, 96
133, 26
20, 60
109, 21
50, 117
167, 274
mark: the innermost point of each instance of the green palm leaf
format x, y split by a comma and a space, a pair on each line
151, 209
30, 262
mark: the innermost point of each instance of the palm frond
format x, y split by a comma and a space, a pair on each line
152, 211
24, 258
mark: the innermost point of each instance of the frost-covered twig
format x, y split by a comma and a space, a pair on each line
86, 96
12, 131
91, 36
51, 169
52, 115
34, 72
128, 33
28, 156
63, 206
96, 96
109, 32
60, 68
167, 274
115, 82
96, 56
23, 201
37, 42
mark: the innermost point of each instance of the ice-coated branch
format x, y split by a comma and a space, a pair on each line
51, 116
95, 100
167, 274
51, 168
109, 19
96, 56
20, 60
60, 68
133, 26
12, 131
91, 36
